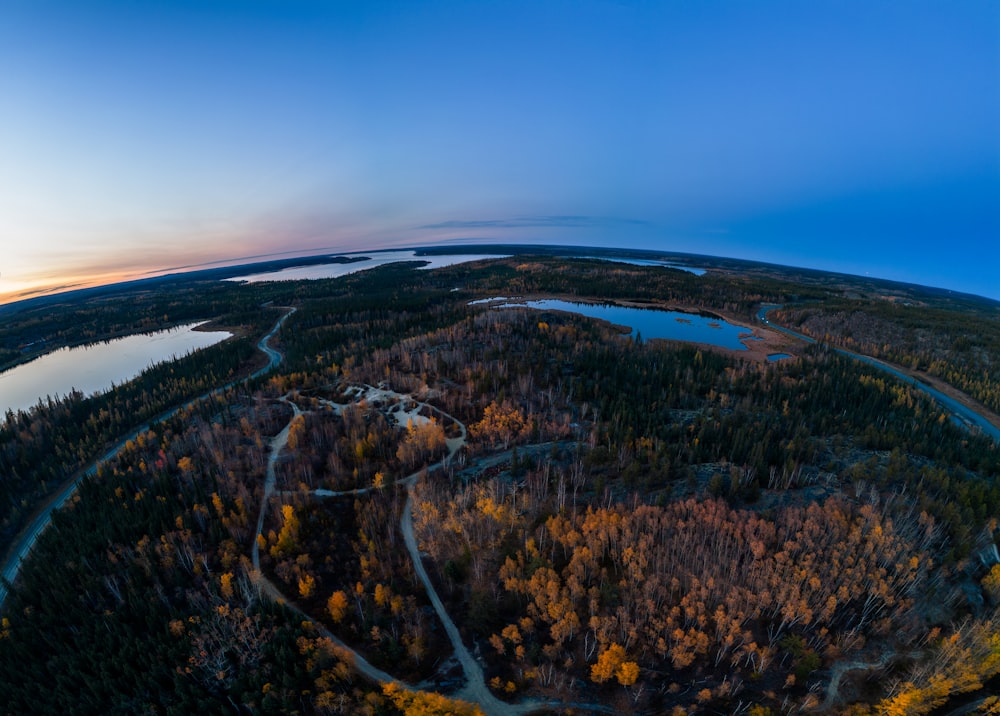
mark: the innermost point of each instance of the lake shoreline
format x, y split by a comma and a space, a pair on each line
759, 341
95, 367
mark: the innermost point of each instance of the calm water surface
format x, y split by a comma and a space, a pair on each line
95, 367
370, 261
652, 323
647, 262
336, 270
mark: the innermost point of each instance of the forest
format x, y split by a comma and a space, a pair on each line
959, 344
433, 506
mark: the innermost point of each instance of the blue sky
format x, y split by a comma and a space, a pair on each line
854, 136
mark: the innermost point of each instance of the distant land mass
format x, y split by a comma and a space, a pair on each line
231, 271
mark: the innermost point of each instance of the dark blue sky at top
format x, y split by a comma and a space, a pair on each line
855, 136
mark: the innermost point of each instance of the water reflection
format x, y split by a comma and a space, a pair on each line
653, 323
647, 262
94, 368
381, 258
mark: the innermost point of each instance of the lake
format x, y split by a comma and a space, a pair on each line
93, 368
369, 261
652, 323
380, 258
647, 262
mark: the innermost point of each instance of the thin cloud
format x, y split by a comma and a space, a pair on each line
463, 240
46, 289
552, 221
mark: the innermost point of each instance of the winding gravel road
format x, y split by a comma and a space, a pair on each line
965, 415
475, 689
267, 587
29, 536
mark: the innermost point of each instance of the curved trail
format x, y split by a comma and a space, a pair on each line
841, 668
475, 689
274, 356
278, 443
965, 415
29, 536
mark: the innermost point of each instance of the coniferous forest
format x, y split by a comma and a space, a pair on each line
438, 506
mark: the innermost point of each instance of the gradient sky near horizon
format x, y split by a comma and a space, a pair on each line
852, 135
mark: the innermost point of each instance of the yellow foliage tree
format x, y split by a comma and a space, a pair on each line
421, 703
607, 664
961, 663
337, 606
627, 673
226, 585
307, 586
991, 583
423, 440
289, 534
500, 424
